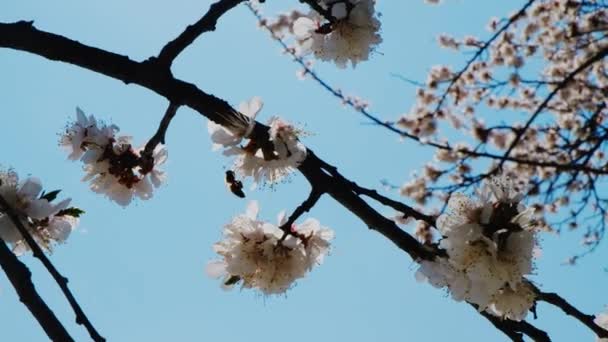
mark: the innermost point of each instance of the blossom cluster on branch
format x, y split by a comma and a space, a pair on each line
111, 165
265, 163
49, 222
265, 256
340, 31
490, 245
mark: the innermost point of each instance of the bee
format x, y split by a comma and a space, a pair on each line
235, 186
232, 280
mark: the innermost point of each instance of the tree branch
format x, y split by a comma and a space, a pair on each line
341, 189
406, 210
21, 279
515, 330
207, 23
81, 317
499, 324
569, 309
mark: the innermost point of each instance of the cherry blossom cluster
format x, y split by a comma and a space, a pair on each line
546, 61
264, 256
350, 35
112, 166
49, 222
490, 245
265, 163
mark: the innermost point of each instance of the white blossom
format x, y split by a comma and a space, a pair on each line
112, 166
251, 160
490, 245
513, 304
222, 137
258, 254
84, 133
352, 36
47, 222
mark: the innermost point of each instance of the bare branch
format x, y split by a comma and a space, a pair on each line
21, 279
569, 309
406, 210
159, 136
207, 23
515, 330
81, 317
312, 199
341, 189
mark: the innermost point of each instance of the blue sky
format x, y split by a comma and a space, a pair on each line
139, 272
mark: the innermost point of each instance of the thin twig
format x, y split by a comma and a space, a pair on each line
159, 136
312, 199
207, 23
21, 279
81, 317
406, 210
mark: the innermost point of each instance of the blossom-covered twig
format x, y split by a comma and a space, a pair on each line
601, 54
483, 48
338, 187
21, 279
207, 23
81, 317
